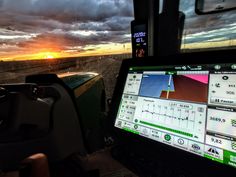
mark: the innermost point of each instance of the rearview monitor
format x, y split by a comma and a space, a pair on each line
189, 107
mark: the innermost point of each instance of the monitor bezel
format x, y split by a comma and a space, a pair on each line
124, 137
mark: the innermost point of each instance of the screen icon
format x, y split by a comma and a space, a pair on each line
233, 145
180, 141
217, 85
167, 137
225, 78
233, 122
119, 123
232, 158
217, 67
213, 151
233, 66
196, 147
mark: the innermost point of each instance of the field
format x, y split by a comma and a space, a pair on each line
108, 66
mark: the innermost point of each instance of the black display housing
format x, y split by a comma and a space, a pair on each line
151, 158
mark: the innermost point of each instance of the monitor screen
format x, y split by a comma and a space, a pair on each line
190, 107
139, 40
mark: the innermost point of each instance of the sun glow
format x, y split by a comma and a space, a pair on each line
89, 50
49, 55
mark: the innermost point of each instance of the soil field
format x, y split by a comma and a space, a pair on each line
108, 66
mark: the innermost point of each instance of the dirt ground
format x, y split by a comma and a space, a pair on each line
107, 66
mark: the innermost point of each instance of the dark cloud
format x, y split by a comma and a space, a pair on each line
119, 24
206, 24
93, 26
112, 24
211, 37
70, 11
43, 14
208, 28
65, 41
49, 24
60, 24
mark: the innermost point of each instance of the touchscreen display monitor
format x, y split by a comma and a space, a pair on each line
190, 107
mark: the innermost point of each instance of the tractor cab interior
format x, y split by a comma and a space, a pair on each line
172, 111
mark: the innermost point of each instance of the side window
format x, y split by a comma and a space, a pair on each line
207, 32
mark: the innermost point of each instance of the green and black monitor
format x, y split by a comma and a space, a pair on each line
179, 114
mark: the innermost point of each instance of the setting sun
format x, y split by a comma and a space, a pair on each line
48, 55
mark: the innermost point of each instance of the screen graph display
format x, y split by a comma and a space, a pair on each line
192, 108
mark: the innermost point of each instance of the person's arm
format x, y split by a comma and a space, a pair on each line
39, 165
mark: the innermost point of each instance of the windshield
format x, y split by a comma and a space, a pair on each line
35, 33
36, 29
207, 32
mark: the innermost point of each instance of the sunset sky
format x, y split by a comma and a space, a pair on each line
31, 29
36, 29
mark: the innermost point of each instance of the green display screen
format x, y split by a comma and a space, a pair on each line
190, 107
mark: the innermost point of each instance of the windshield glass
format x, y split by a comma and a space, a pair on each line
207, 32
35, 33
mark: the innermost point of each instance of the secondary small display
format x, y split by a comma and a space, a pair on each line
139, 40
